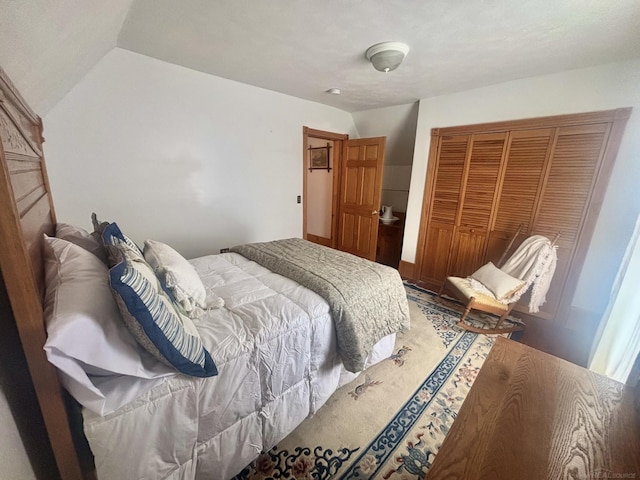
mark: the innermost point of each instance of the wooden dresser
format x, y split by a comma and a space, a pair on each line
389, 248
530, 415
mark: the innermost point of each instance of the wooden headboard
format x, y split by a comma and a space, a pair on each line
26, 213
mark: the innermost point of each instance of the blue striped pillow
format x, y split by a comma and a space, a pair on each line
155, 320
112, 235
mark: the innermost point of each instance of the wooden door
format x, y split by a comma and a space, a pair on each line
443, 208
522, 177
309, 195
565, 197
478, 196
552, 179
361, 188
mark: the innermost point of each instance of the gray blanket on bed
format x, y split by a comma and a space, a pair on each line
367, 300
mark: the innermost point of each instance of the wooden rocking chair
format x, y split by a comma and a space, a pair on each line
486, 300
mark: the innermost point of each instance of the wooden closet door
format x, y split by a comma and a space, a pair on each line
551, 178
443, 212
479, 194
577, 154
522, 178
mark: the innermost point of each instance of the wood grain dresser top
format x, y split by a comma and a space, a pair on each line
530, 415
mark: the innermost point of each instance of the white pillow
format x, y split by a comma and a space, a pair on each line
86, 334
177, 274
82, 238
501, 284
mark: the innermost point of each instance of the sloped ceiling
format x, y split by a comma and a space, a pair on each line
303, 48
47, 46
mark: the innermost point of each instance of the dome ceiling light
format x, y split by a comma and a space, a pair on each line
387, 56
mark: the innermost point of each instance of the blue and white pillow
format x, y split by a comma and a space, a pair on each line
155, 320
112, 235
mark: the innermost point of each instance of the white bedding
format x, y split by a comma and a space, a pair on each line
275, 348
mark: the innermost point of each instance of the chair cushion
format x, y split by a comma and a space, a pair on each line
465, 289
501, 284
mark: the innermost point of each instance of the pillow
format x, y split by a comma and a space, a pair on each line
501, 284
177, 274
98, 227
82, 238
112, 235
85, 331
156, 321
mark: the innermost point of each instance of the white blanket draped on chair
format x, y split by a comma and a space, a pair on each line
533, 262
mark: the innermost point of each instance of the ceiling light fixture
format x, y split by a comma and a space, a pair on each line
387, 56
334, 91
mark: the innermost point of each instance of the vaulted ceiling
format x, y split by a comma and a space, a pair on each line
303, 48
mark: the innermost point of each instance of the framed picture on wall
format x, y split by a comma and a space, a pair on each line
319, 158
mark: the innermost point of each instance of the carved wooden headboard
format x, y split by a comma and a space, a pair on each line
26, 213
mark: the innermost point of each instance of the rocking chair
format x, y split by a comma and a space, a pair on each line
496, 290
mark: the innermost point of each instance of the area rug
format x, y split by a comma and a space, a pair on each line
390, 421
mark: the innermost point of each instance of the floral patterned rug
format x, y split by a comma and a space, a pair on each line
390, 421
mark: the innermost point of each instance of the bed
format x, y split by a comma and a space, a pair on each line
278, 348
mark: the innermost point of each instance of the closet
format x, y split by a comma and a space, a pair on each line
547, 174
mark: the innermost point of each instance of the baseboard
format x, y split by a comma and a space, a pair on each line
319, 240
406, 270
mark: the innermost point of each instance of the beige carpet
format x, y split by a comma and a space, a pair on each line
390, 422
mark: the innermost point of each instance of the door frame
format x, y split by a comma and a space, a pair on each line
338, 139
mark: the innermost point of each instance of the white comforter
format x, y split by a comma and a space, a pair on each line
275, 348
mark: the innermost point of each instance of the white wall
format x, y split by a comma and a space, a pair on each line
395, 186
398, 124
183, 157
599, 88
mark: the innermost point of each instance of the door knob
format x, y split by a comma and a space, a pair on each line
375, 212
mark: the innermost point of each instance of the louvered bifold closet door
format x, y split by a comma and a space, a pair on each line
445, 199
479, 195
548, 174
577, 154
522, 178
